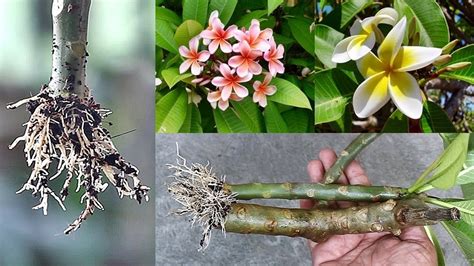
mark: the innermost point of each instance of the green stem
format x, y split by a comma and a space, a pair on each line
348, 155
319, 224
315, 191
70, 21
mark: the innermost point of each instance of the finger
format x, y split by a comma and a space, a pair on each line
356, 175
316, 173
328, 158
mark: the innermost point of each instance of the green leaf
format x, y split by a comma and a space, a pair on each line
333, 91
228, 122
297, 120
434, 239
246, 19
250, 114
341, 16
325, 40
192, 123
430, 20
396, 123
289, 94
225, 7
463, 236
273, 119
468, 190
446, 167
434, 119
195, 10
465, 54
171, 111
273, 4
300, 28
167, 15
164, 36
172, 76
186, 31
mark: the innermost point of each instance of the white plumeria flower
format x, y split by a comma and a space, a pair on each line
387, 77
364, 34
193, 97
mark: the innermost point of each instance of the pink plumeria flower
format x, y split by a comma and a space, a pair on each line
257, 39
245, 62
272, 56
229, 82
215, 99
193, 57
217, 37
262, 90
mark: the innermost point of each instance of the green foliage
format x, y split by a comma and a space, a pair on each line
445, 169
430, 20
309, 35
464, 54
196, 10
171, 111
463, 235
434, 239
186, 31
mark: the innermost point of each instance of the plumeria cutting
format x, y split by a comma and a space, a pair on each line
233, 61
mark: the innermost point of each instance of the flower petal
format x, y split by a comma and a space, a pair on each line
369, 65
225, 92
411, 58
203, 56
220, 82
388, 15
271, 89
194, 44
361, 46
223, 105
263, 101
255, 68
267, 79
236, 61
390, 46
256, 84
196, 68
340, 54
213, 96
208, 34
226, 72
245, 78
371, 95
213, 46
226, 47
184, 51
185, 66
356, 27
406, 94
241, 91
243, 70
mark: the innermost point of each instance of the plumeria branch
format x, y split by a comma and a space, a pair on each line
66, 128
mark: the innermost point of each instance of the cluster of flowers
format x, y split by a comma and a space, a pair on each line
387, 74
228, 66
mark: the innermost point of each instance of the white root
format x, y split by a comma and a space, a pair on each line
69, 131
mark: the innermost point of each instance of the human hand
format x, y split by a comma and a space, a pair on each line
411, 247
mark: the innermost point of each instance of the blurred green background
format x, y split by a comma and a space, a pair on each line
121, 74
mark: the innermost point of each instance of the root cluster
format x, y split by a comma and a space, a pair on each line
202, 196
65, 134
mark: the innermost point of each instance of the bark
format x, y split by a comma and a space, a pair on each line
348, 155
70, 21
319, 224
314, 191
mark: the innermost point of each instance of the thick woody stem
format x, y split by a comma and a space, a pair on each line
315, 191
70, 21
319, 224
348, 155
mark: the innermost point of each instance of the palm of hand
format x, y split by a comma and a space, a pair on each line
412, 247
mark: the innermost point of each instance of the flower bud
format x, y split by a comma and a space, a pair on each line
443, 59
458, 66
450, 46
